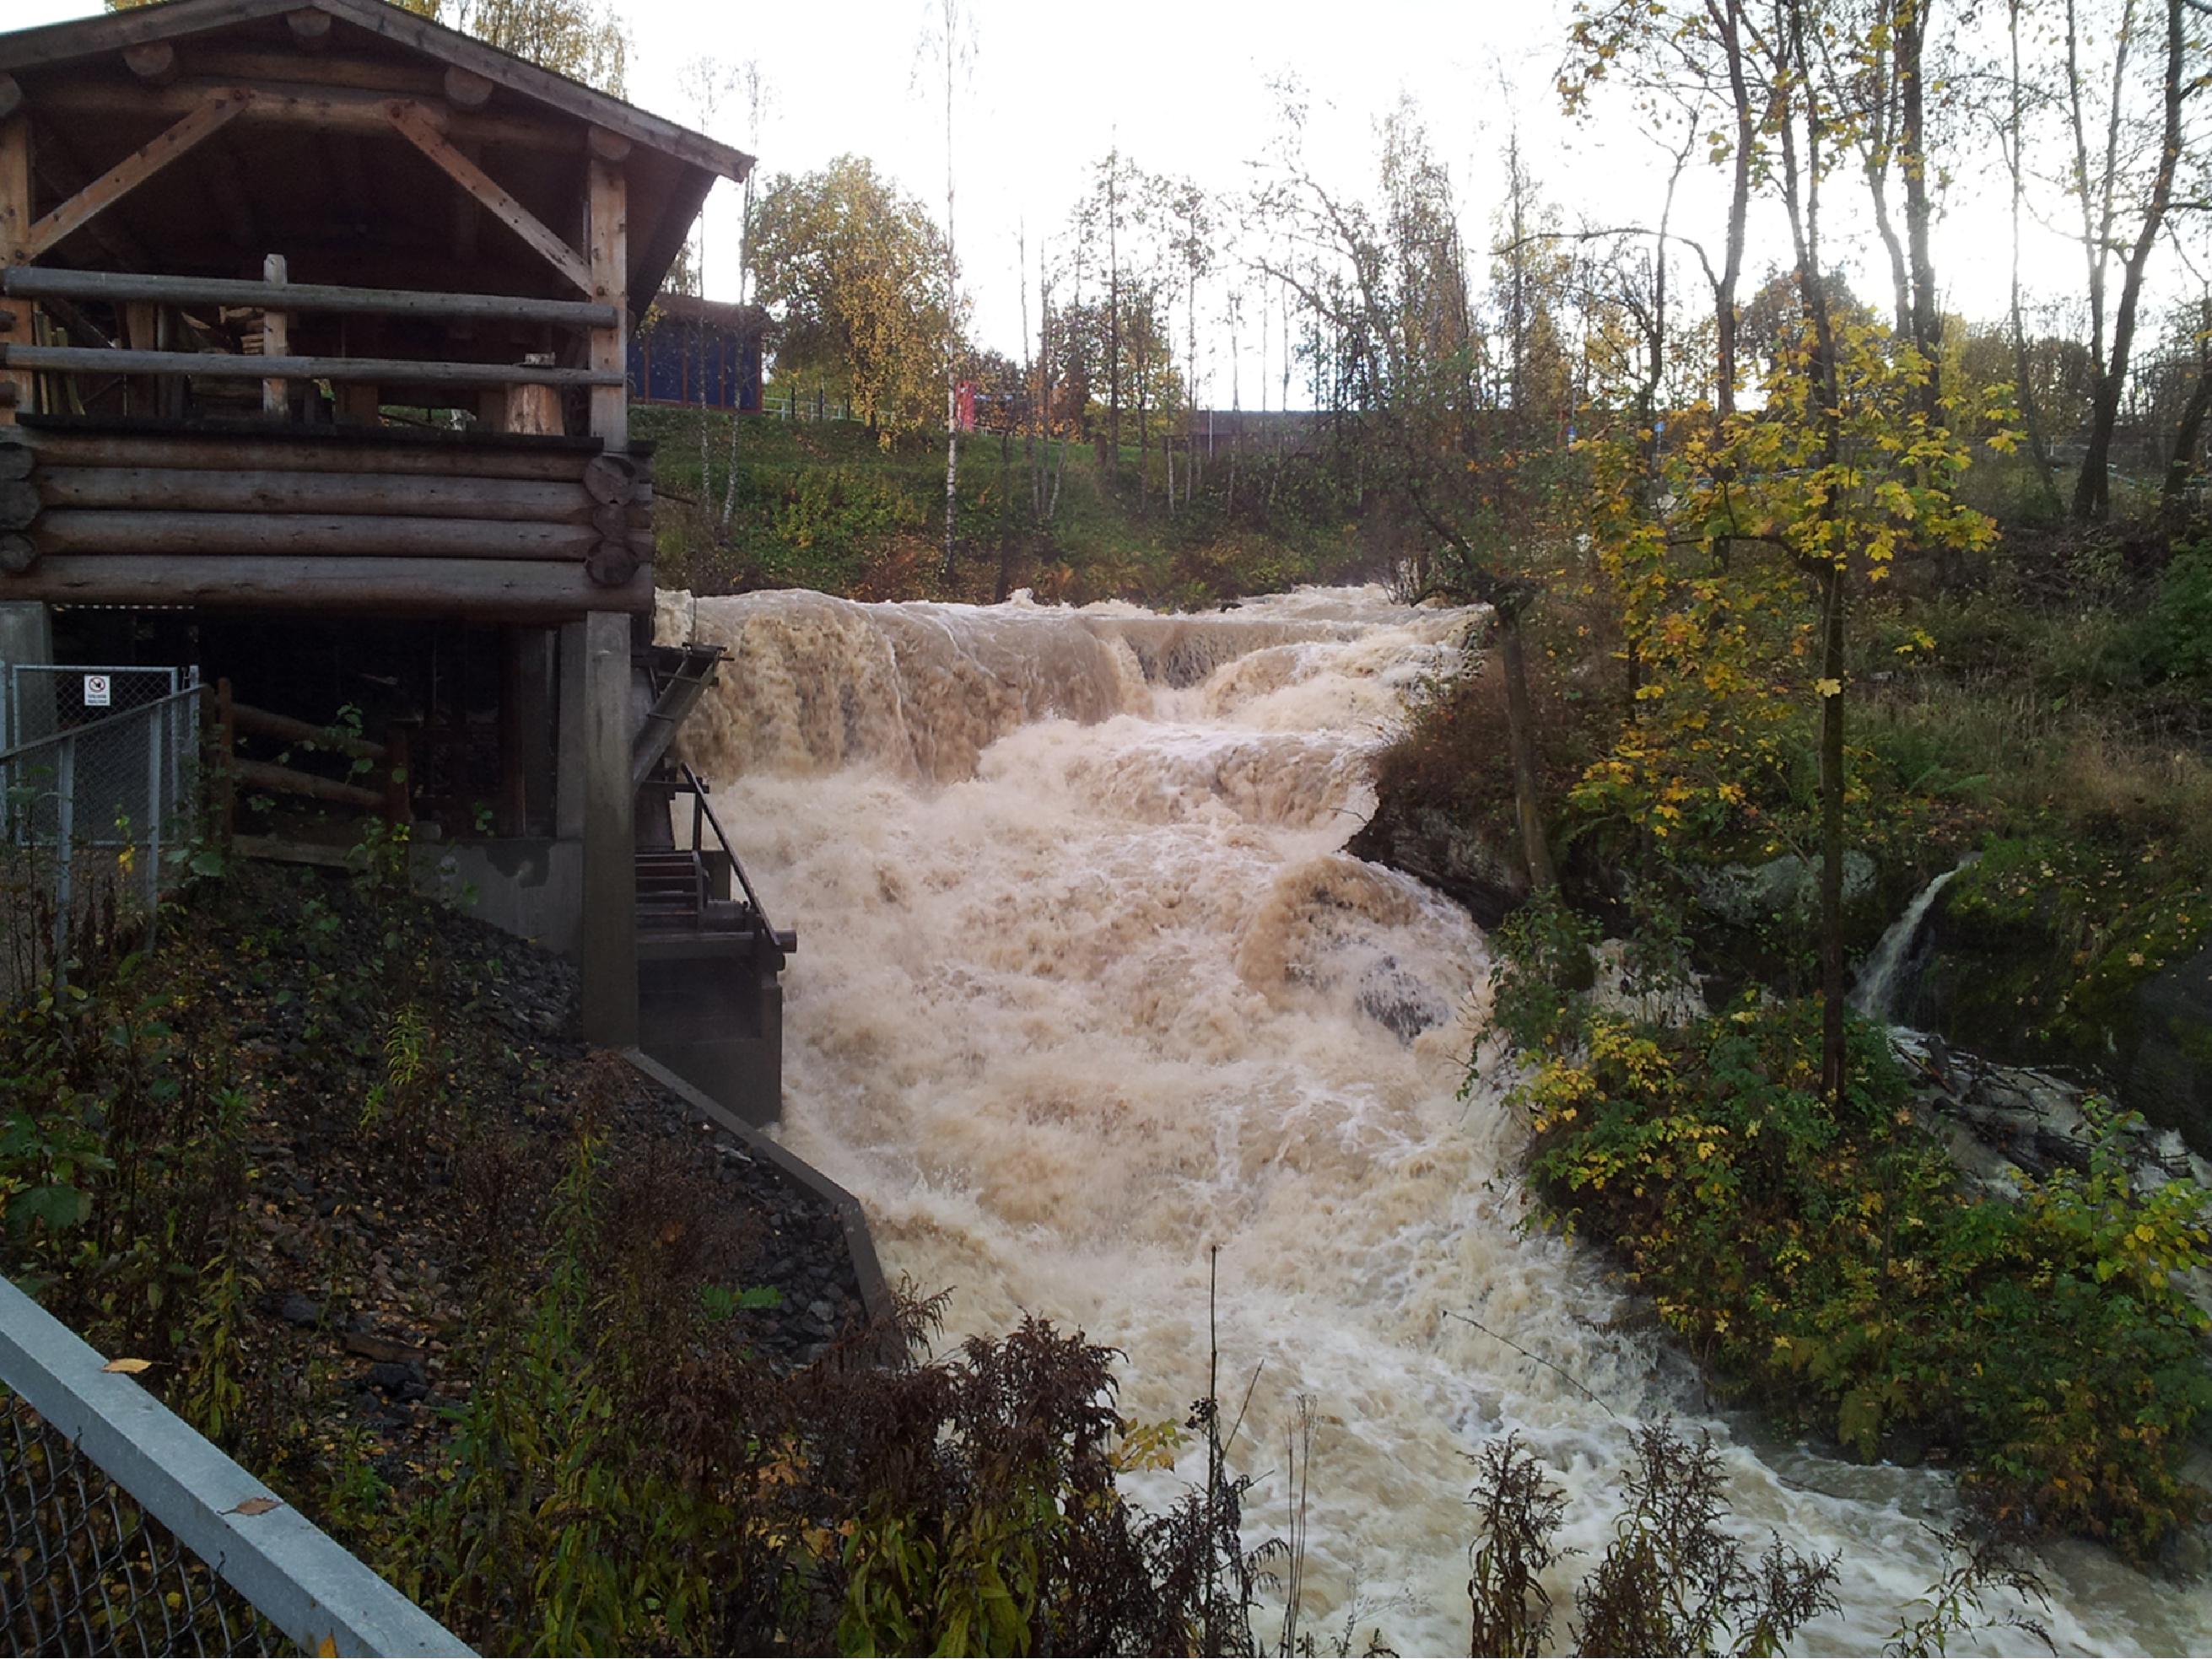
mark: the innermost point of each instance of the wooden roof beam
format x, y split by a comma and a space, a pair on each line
61, 171
336, 108
63, 43
311, 29
154, 62
418, 130
134, 170
113, 288
465, 89
468, 213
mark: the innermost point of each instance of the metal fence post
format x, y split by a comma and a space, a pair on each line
157, 721
65, 834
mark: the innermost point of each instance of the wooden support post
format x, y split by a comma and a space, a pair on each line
512, 816
15, 249
276, 341
534, 646
226, 757
606, 220
609, 955
610, 930
569, 732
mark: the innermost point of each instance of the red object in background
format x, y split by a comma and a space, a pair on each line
964, 406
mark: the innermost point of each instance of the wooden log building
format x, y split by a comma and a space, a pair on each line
314, 327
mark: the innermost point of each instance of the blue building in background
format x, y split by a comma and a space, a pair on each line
698, 351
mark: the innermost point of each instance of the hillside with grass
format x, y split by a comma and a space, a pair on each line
827, 505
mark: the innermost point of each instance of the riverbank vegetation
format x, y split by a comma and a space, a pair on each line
325, 1159
827, 505
1826, 1260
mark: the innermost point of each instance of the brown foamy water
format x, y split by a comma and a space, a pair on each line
1086, 985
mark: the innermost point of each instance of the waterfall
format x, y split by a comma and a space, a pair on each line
1089, 985
1875, 994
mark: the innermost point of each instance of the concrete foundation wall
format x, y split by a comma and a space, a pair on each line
717, 1023
26, 634
532, 887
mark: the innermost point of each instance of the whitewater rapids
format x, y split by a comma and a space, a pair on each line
1087, 986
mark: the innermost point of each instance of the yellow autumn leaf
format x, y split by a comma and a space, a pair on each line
1829, 688
127, 1367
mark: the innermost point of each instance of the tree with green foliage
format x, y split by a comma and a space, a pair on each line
853, 271
1477, 472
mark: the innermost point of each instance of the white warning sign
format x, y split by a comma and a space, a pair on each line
99, 692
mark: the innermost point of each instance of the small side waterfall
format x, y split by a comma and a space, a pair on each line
1875, 994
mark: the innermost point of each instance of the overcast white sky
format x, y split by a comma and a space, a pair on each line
1182, 85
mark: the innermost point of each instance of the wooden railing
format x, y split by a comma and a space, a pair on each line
387, 759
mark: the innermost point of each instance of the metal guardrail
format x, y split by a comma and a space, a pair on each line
129, 1532
780, 943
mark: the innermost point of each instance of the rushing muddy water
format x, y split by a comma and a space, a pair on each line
1085, 986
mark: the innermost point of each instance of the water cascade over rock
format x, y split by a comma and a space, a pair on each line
1089, 986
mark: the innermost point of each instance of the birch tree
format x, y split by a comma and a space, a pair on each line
952, 40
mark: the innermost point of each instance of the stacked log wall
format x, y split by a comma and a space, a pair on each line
517, 532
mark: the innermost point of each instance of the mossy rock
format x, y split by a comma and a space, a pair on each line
1758, 924
2098, 958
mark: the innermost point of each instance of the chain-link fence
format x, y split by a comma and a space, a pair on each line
87, 1572
129, 1532
38, 699
87, 812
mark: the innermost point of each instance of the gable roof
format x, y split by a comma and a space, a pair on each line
59, 43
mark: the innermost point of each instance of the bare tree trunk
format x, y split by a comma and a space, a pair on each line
1730, 16
2038, 437
951, 15
1521, 740
2093, 490
1114, 316
2189, 435
1919, 210
1901, 276
1801, 200
1141, 330
755, 95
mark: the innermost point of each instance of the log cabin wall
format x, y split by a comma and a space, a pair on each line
314, 306
231, 228
298, 518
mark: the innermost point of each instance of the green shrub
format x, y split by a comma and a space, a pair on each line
2181, 615
1828, 1265
2048, 940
